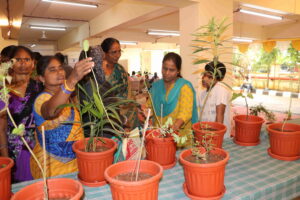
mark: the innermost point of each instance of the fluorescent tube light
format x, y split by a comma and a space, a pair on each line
261, 14
33, 45
163, 33
128, 42
4, 22
48, 28
263, 8
241, 40
72, 3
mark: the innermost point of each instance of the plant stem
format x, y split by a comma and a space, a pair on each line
142, 145
23, 140
247, 108
45, 162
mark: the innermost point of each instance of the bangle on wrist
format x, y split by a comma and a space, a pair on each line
67, 88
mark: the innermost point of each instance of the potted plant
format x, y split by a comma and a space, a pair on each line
204, 170
135, 179
94, 154
284, 139
161, 144
210, 39
204, 164
247, 127
59, 189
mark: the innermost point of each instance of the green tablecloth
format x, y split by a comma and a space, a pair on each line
250, 174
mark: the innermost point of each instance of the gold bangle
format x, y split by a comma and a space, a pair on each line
66, 86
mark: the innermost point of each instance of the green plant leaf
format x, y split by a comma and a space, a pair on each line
197, 62
19, 130
249, 95
86, 45
236, 95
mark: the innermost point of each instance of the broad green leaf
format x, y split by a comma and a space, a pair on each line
19, 130
86, 45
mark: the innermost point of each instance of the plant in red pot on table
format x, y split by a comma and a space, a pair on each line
204, 170
161, 144
94, 154
135, 179
247, 127
284, 140
204, 164
215, 98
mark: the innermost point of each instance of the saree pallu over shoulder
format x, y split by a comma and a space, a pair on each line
59, 138
169, 101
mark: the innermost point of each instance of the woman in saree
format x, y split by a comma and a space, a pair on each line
174, 97
23, 91
59, 136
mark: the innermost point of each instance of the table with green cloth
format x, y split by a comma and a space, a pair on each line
250, 174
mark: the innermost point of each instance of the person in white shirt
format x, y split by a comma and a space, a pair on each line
217, 107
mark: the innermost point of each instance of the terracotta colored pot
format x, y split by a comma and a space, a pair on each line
247, 131
161, 150
205, 181
142, 190
91, 165
284, 145
58, 188
219, 133
5, 177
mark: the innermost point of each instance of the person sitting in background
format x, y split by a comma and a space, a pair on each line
247, 84
68, 69
154, 78
59, 136
7, 53
23, 91
134, 77
217, 108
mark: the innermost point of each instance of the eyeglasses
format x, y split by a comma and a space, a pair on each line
115, 52
23, 59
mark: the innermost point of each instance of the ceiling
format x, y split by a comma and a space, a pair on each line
37, 12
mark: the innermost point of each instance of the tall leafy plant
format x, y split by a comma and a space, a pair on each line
209, 44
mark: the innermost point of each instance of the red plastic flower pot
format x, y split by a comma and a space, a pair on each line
5, 177
284, 145
214, 127
205, 181
58, 188
91, 165
137, 190
161, 150
247, 129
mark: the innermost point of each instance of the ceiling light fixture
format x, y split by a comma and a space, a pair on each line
261, 14
33, 45
4, 22
48, 28
163, 33
263, 8
237, 39
72, 3
128, 43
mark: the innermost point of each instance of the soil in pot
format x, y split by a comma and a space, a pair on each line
278, 129
130, 177
208, 129
212, 158
98, 149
